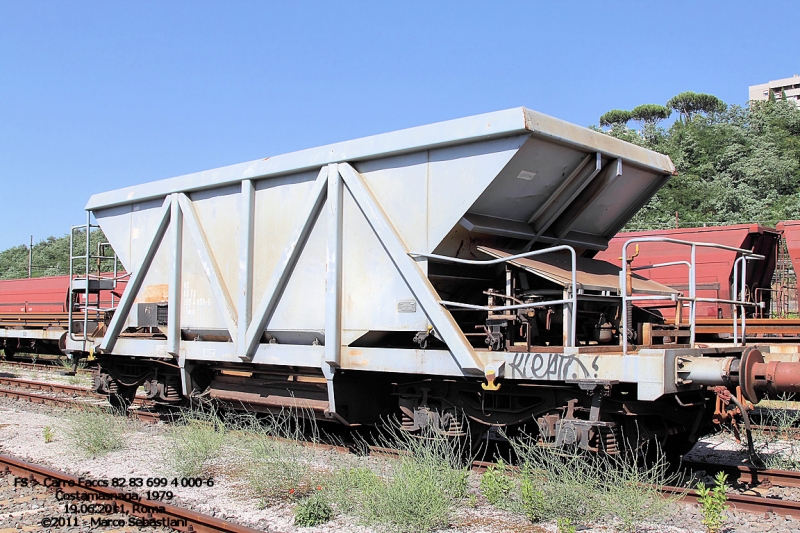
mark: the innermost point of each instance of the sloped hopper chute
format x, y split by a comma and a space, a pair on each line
592, 274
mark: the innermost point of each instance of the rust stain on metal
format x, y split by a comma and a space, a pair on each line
154, 293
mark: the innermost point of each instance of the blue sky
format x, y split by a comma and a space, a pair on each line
99, 95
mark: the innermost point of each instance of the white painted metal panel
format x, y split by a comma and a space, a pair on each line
528, 180
217, 212
373, 291
278, 207
302, 305
458, 176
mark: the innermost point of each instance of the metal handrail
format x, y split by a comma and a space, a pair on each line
85, 308
572, 301
692, 298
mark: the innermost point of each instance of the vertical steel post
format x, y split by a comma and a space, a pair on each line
247, 229
86, 276
175, 280
30, 258
742, 299
733, 297
623, 284
333, 287
693, 296
573, 336
71, 285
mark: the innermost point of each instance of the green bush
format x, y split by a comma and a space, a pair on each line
555, 485
565, 525
532, 500
631, 492
712, 503
496, 485
418, 497
352, 487
313, 511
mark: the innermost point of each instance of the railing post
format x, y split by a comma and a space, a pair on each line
623, 283
574, 304
86, 277
693, 295
736, 306
742, 299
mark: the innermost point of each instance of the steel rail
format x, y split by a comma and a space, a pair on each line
781, 478
739, 502
742, 502
149, 509
42, 366
751, 475
41, 399
18, 393
43, 386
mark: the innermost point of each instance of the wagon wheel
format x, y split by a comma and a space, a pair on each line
123, 398
9, 349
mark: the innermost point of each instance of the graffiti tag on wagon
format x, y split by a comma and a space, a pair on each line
549, 367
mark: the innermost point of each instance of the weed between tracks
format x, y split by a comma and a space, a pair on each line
75, 379
427, 487
96, 432
196, 438
419, 491
575, 488
779, 449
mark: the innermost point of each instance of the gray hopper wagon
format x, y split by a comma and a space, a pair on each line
442, 274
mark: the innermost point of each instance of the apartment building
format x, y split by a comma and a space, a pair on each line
790, 87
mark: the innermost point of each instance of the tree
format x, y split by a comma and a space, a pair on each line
740, 165
615, 117
650, 113
689, 103
50, 257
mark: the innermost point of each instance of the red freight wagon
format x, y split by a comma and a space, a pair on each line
791, 234
714, 266
42, 295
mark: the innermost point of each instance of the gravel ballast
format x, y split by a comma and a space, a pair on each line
22, 428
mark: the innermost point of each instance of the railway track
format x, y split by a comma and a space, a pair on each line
72, 395
68, 396
742, 502
129, 504
791, 433
757, 479
750, 475
44, 367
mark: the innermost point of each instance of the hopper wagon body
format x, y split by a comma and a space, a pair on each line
441, 274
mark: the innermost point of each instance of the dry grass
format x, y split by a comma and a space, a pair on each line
96, 432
